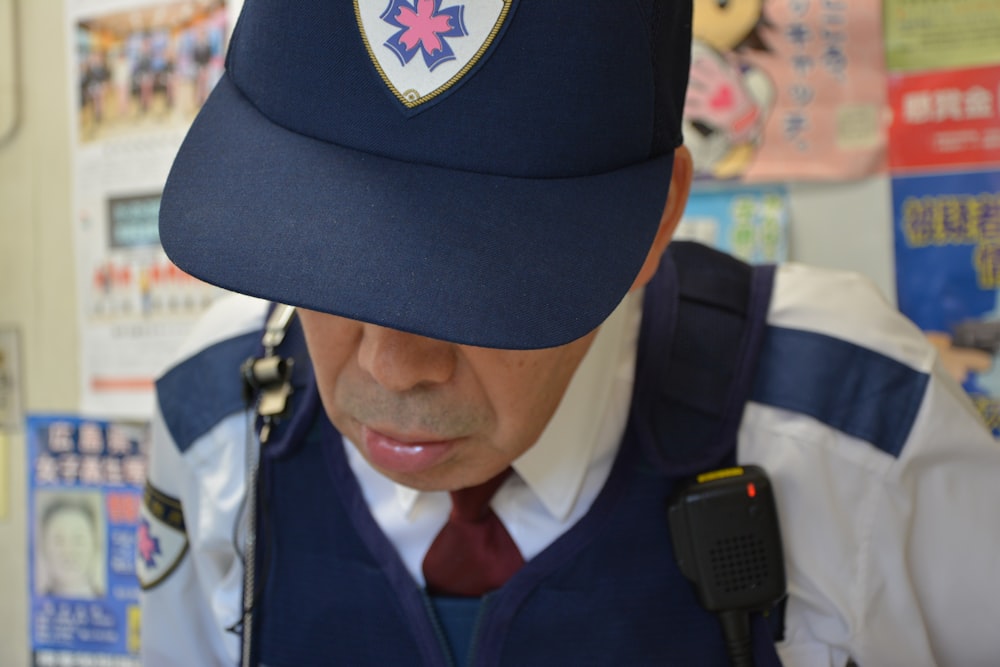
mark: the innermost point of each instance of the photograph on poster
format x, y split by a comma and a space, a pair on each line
147, 66
69, 549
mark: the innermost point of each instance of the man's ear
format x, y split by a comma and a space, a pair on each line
680, 188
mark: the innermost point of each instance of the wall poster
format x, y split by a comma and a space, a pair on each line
749, 223
944, 155
947, 231
85, 479
140, 71
934, 34
786, 90
945, 119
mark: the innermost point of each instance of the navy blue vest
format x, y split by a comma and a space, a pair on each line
332, 590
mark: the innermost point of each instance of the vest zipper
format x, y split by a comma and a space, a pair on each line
480, 615
250, 497
249, 572
442, 641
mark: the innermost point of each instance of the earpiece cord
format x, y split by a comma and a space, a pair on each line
267, 386
243, 545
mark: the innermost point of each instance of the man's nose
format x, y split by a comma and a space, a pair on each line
401, 361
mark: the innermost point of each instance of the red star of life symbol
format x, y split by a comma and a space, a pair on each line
148, 545
423, 26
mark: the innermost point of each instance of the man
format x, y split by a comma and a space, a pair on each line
470, 206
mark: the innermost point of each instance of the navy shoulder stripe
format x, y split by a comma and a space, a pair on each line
199, 392
853, 389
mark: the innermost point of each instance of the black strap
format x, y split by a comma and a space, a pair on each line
705, 315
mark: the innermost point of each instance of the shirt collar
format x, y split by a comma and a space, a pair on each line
589, 421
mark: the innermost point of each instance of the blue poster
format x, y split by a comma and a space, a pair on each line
749, 223
85, 483
947, 238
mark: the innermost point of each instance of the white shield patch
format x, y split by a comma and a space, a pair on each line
421, 48
161, 539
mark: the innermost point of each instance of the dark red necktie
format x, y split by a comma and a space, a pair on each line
473, 554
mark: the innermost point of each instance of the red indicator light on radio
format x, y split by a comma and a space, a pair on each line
751, 490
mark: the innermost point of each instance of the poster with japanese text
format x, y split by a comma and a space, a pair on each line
935, 34
140, 70
945, 119
787, 90
947, 229
85, 480
749, 223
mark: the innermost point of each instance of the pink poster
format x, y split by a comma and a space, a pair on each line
787, 90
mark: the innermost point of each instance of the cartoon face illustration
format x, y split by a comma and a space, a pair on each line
729, 97
725, 24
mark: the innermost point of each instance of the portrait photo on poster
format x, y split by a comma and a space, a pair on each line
69, 545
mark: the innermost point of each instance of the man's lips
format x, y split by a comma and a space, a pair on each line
404, 453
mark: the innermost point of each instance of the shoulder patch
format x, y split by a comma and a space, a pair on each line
850, 388
202, 390
161, 542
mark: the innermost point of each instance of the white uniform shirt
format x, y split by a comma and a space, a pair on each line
890, 559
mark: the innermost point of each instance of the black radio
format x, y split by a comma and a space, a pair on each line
724, 527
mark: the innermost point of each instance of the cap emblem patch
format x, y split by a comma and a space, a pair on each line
422, 48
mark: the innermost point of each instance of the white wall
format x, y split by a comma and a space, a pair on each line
36, 271
844, 225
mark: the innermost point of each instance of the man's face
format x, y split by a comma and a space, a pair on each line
429, 414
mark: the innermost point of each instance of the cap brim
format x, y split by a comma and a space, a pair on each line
476, 259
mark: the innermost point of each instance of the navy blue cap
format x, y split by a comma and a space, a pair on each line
488, 172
